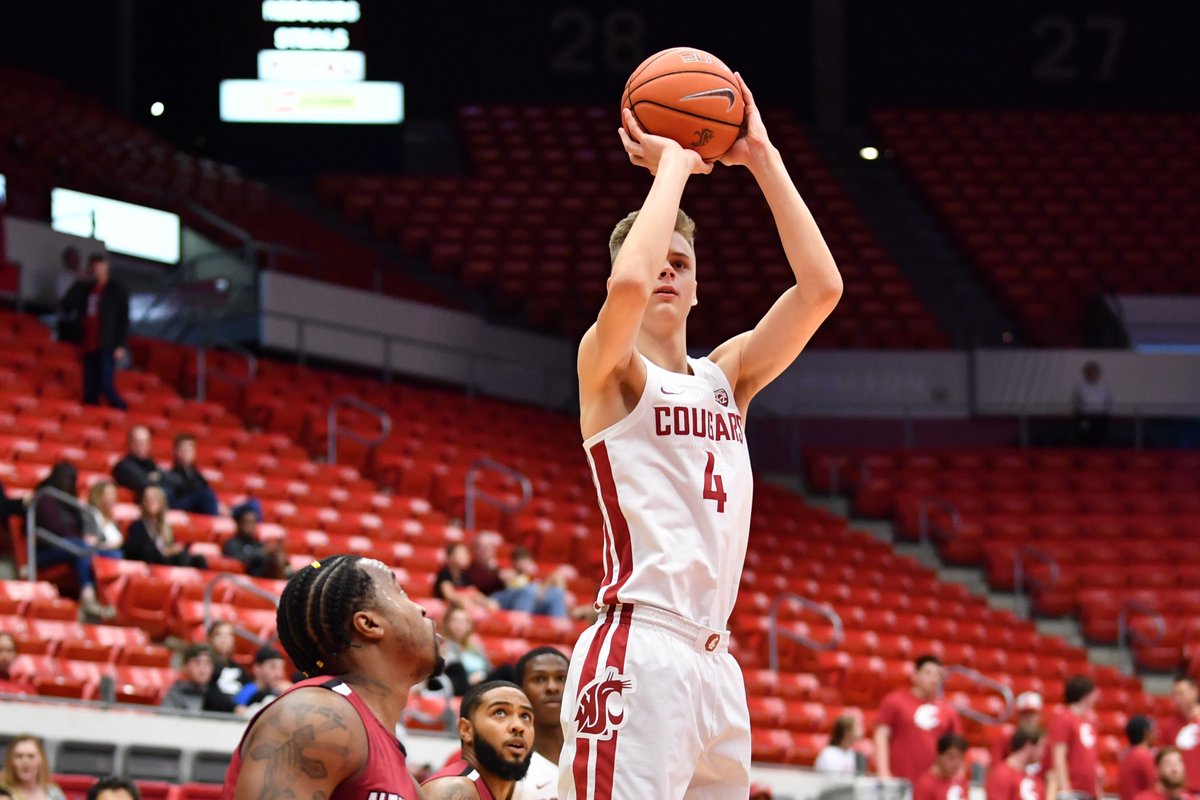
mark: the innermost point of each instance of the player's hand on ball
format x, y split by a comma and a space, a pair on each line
754, 144
647, 150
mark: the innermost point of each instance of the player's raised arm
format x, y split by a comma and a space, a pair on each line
608, 346
302, 746
755, 358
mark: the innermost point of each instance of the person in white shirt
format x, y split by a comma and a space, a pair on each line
1092, 401
837, 757
542, 675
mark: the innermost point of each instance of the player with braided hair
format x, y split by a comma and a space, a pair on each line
348, 625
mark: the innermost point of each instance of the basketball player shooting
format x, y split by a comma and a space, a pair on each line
657, 705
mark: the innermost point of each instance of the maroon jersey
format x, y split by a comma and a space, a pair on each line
1136, 772
931, 786
915, 727
1184, 734
1079, 735
384, 776
462, 769
1006, 783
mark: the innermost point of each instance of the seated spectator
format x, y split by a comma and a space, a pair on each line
8, 654
261, 559
186, 486
1137, 771
113, 788
64, 520
1171, 777
228, 676
513, 589
26, 772
107, 538
549, 596
453, 585
190, 690
151, 538
837, 757
137, 469
270, 681
466, 663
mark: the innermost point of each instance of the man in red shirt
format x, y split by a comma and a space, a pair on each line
911, 720
1071, 763
1171, 778
1182, 729
1029, 719
496, 730
1010, 779
946, 779
1137, 772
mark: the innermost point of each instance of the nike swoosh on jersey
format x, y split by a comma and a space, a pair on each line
671, 390
728, 94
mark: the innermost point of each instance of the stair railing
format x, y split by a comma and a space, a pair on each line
385, 425
774, 632
474, 493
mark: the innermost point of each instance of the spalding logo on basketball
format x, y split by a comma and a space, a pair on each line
1087, 735
601, 711
926, 717
1188, 737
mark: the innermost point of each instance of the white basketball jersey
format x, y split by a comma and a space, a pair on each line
674, 484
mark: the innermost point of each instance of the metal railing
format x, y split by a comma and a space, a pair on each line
474, 493
385, 425
249, 586
1020, 576
1127, 635
923, 517
203, 370
33, 533
773, 631
978, 677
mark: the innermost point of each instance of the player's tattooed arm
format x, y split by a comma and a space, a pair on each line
301, 748
450, 789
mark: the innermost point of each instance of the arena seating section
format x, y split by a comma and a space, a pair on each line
531, 225
51, 137
891, 607
1120, 526
1055, 206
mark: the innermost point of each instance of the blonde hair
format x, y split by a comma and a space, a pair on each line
683, 224
8, 776
97, 490
162, 526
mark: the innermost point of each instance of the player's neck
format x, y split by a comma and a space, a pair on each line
548, 742
666, 349
387, 702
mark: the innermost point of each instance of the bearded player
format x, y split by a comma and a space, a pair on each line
655, 705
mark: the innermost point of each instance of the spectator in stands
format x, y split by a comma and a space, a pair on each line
66, 325
11, 507
9, 684
101, 307
760, 791
270, 681
57, 516
1092, 401
114, 787
1182, 729
188, 693
137, 469
1011, 777
152, 539
1071, 762
466, 663
514, 589
910, 722
1029, 719
453, 584
946, 779
1137, 771
107, 538
228, 676
26, 772
186, 485
542, 675
1172, 778
261, 559
836, 757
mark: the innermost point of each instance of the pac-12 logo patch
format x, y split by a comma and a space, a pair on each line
722, 396
601, 711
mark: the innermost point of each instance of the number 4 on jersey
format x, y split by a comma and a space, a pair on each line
714, 487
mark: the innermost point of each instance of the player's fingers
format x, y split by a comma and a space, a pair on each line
746, 94
635, 130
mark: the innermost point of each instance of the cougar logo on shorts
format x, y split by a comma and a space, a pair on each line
1188, 737
595, 717
722, 396
926, 717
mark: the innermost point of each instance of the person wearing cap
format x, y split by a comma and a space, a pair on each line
1137, 772
270, 681
188, 693
262, 559
1028, 706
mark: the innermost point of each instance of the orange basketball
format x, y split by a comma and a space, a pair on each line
687, 95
